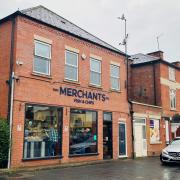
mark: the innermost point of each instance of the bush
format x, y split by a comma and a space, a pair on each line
4, 142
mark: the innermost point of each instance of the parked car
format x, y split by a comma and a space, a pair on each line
171, 153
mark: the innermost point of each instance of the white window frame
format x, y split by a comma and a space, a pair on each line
42, 57
172, 74
172, 97
77, 67
93, 59
115, 77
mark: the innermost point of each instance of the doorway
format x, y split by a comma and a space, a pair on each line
122, 140
140, 141
107, 135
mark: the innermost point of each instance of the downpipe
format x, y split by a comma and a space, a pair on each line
11, 118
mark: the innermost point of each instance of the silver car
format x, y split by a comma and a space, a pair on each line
171, 153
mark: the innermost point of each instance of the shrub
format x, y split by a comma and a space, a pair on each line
4, 142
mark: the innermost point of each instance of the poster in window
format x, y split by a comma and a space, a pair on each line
154, 131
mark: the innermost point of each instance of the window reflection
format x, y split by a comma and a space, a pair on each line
42, 135
83, 132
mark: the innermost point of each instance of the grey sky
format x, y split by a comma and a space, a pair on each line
146, 20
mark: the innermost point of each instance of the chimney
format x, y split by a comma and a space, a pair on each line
176, 63
159, 54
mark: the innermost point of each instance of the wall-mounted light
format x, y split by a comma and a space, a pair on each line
19, 63
83, 56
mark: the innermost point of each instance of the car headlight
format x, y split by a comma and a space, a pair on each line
164, 152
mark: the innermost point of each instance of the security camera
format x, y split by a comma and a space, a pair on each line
19, 63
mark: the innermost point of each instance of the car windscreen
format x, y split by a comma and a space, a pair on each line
176, 142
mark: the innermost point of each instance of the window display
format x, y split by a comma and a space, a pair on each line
83, 132
42, 133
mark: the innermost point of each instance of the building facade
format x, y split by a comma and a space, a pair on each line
154, 93
63, 89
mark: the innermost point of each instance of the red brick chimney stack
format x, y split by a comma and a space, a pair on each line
159, 54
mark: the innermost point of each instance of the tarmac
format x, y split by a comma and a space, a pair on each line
138, 169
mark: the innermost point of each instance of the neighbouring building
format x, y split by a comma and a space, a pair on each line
154, 94
63, 89
175, 126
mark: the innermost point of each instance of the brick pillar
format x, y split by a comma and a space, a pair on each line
65, 134
100, 134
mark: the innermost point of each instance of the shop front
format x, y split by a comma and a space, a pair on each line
57, 133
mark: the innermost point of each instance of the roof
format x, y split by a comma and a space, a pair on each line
44, 15
142, 58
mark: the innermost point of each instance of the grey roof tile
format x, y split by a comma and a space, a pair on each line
47, 16
142, 58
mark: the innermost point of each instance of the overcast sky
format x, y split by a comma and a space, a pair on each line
146, 19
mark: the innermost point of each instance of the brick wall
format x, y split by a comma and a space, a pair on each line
142, 84
165, 98
5, 45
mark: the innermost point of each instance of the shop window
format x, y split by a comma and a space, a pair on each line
83, 132
43, 131
95, 72
71, 66
115, 77
154, 131
42, 58
172, 99
171, 74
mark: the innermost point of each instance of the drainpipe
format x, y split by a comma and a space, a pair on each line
154, 76
11, 91
132, 127
10, 119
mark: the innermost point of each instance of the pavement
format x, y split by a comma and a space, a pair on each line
138, 169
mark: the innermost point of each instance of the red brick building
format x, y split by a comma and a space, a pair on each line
64, 91
154, 94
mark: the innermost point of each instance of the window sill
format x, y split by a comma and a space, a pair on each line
154, 143
173, 109
71, 81
114, 90
42, 158
79, 155
94, 86
41, 75
172, 80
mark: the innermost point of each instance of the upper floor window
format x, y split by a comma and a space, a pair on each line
95, 72
71, 66
173, 99
42, 58
115, 77
172, 74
